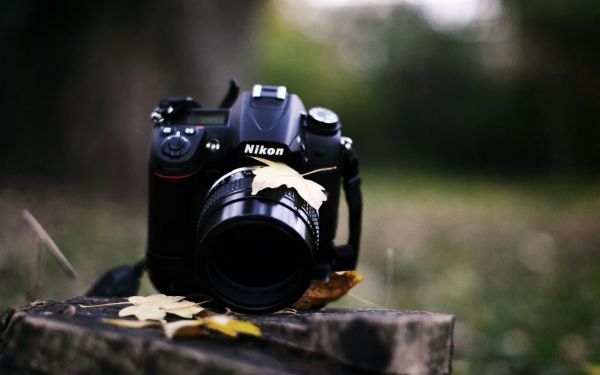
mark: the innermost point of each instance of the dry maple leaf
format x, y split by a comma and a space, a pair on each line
185, 311
154, 298
144, 312
321, 293
278, 174
157, 306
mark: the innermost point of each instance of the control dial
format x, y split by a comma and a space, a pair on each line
175, 146
323, 119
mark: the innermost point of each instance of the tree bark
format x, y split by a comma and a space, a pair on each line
61, 337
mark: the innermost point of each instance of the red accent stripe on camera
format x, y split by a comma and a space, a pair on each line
174, 178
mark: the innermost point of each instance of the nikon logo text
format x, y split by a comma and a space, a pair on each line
262, 150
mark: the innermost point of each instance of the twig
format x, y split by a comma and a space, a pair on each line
106, 304
47, 240
365, 301
389, 275
130, 303
287, 310
319, 170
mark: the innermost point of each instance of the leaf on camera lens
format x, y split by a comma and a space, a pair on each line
221, 323
156, 307
277, 174
321, 293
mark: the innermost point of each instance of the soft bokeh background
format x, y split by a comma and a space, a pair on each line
476, 121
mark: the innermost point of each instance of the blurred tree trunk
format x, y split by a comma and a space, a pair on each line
559, 42
79, 80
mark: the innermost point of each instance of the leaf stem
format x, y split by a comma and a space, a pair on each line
187, 307
319, 170
105, 304
365, 301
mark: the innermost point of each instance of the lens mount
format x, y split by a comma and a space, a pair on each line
255, 252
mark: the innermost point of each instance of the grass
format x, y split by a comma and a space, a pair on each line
516, 260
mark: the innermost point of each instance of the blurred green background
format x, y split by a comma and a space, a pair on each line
476, 122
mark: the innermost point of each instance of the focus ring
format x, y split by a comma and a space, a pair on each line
242, 181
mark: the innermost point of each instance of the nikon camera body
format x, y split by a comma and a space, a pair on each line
207, 233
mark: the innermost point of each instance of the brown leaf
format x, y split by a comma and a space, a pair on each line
321, 293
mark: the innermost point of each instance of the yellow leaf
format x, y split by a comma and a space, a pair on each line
246, 328
231, 327
321, 293
173, 328
224, 324
278, 174
130, 323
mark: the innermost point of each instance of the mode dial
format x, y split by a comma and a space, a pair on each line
323, 120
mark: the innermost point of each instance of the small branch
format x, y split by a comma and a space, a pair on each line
319, 170
365, 301
105, 304
286, 311
47, 240
389, 276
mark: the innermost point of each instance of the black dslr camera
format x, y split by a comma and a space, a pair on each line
207, 234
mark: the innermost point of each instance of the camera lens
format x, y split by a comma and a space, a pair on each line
256, 251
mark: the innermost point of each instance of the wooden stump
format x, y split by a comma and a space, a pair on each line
60, 337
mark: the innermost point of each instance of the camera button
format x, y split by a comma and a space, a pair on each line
176, 143
213, 145
323, 120
175, 146
189, 131
167, 130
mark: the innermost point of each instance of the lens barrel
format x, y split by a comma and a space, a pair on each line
255, 252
